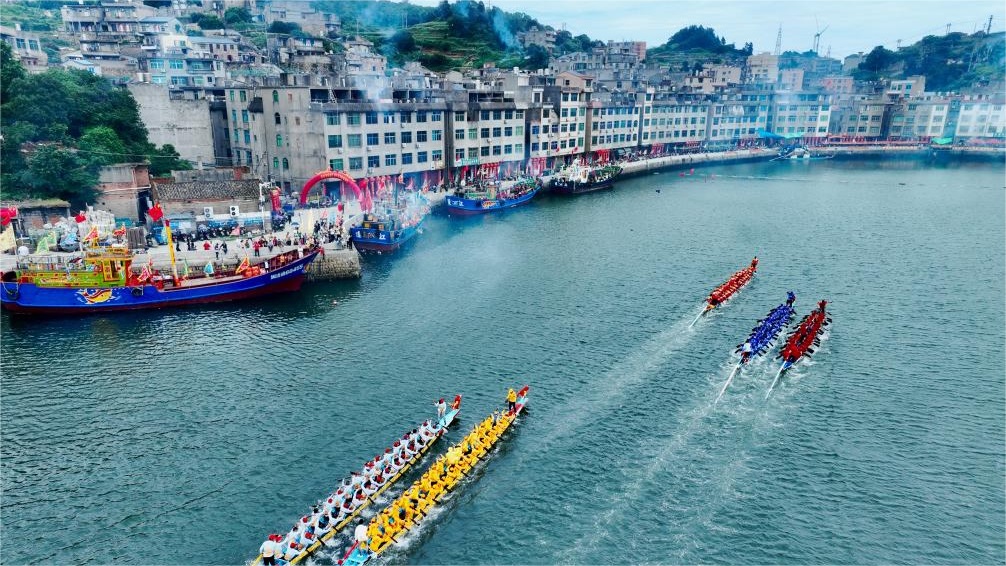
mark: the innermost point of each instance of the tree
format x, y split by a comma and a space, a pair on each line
403, 41
283, 27
235, 15
210, 21
10, 70
60, 172
537, 57
875, 63
165, 160
100, 146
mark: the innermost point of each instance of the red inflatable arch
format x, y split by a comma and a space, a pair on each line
321, 176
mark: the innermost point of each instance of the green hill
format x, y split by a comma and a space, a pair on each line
951, 62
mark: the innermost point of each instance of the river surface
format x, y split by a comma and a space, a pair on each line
186, 436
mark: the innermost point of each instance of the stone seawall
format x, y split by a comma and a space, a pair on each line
335, 264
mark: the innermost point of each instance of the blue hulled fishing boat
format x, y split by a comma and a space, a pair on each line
477, 200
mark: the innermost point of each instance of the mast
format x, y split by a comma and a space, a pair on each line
171, 249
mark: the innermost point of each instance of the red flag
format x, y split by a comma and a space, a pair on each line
155, 212
244, 265
80, 217
7, 214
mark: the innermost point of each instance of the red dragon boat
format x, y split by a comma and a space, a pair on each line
802, 341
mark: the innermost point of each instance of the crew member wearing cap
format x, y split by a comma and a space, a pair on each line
269, 550
361, 533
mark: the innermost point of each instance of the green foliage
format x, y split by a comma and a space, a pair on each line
284, 27
53, 171
210, 21
951, 62
165, 160
403, 41
33, 16
236, 15
696, 43
100, 146
10, 70
537, 58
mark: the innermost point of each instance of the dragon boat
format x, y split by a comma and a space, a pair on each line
105, 280
722, 293
412, 507
310, 538
761, 339
801, 342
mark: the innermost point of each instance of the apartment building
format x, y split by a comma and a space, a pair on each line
803, 114
26, 48
675, 118
568, 93
981, 116
613, 121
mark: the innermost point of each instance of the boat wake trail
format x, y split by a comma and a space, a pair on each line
607, 395
691, 475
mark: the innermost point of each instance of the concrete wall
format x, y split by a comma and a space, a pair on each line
184, 124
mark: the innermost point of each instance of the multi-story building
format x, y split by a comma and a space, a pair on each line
569, 95
922, 117
488, 129
613, 121
763, 68
981, 116
536, 36
26, 48
738, 116
674, 118
303, 13
803, 114
860, 116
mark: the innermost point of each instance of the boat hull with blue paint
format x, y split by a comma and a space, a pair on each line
467, 206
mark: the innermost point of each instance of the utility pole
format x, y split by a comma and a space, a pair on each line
778, 41
948, 30
988, 27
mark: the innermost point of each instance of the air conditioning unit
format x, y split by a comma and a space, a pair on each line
417, 144
208, 211
235, 211
339, 150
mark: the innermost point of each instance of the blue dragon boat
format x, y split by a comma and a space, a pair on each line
761, 338
104, 280
492, 198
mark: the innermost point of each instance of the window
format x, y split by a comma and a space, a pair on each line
459, 154
534, 129
353, 119
497, 150
508, 149
421, 116
389, 117
459, 134
243, 96
485, 151
406, 159
438, 135
459, 117
336, 164
332, 119
275, 96
485, 133
534, 146
497, 132
373, 161
484, 115
564, 112
372, 139
158, 64
497, 114
437, 155
279, 140
421, 136
390, 160
390, 137
334, 141
519, 114
353, 140
371, 117
473, 153
406, 137
519, 148
508, 131
436, 116
286, 164
519, 130
473, 133
276, 118
421, 157
177, 64
508, 114
405, 117
355, 163
275, 163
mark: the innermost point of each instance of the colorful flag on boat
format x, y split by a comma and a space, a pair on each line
243, 266
48, 241
185, 268
144, 275
92, 235
208, 270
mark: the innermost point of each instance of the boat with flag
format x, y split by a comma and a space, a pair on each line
357, 492
580, 178
802, 341
762, 337
722, 293
104, 279
391, 222
493, 196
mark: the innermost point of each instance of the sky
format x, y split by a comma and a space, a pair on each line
847, 26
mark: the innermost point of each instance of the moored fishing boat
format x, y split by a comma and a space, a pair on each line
802, 341
799, 154
346, 503
489, 198
762, 337
391, 225
722, 293
577, 178
437, 482
105, 280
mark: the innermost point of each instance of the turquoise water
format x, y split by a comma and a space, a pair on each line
186, 436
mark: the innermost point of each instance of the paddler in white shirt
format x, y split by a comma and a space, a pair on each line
360, 534
269, 550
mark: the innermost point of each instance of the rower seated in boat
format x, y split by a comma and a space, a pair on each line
362, 533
